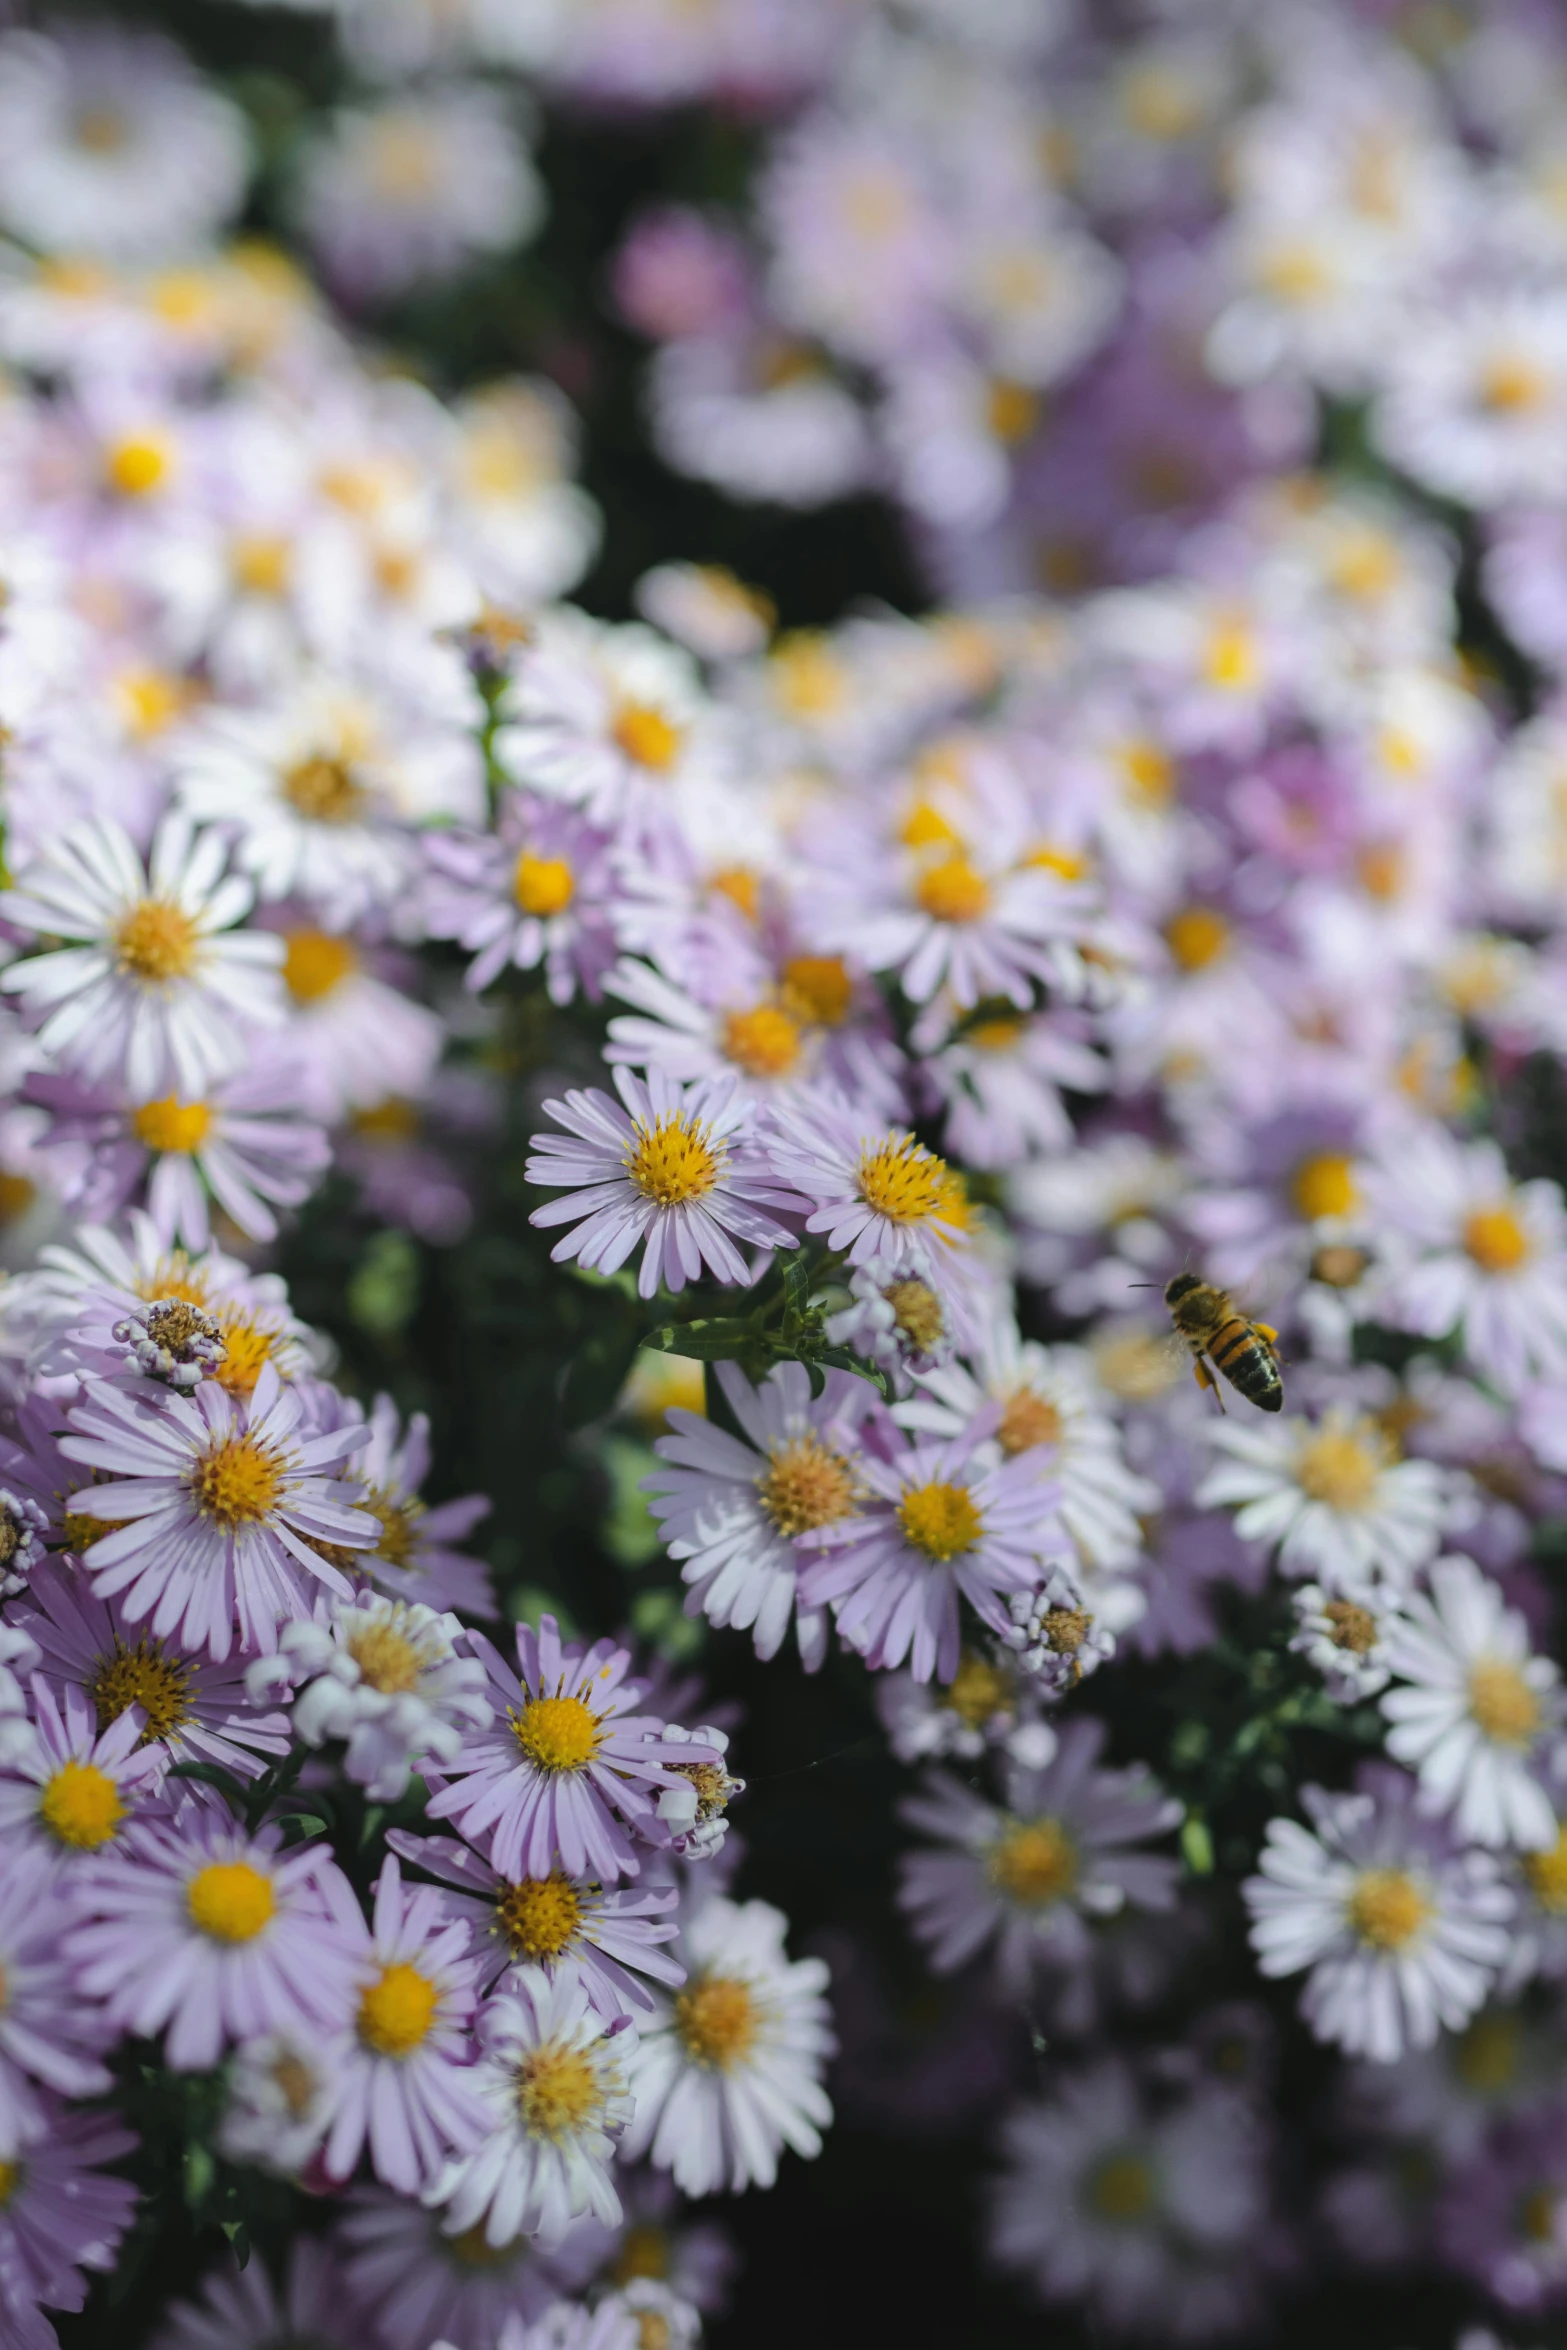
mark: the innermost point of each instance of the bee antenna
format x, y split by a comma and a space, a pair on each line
1145, 1285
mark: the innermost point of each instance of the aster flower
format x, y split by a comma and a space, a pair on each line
568, 1770
1344, 1641
215, 1935
675, 1169
242, 2309
384, 1677
882, 1195
1057, 1637
172, 1341
541, 890
44, 2039
985, 1704
60, 2214
415, 1557
554, 2080
1333, 1496
76, 1790
1402, 1931
938, 1526
693, 1813
216, 1509
731, 2071
607, 719
732, 1509
419, 2285
157, 984
1475, 1711
1027, 1878
281, 2092
23, 1530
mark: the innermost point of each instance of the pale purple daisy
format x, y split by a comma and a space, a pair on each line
732, 1509
414, 1556
43, 2037
216, 1935
219, 1511
1027, 1877
419, 2285
938, 1525
540, 891
279, 2095
675, 1168
881, 1194
59, 2214
568, 1771
76, 1791
564, 1925
242, 2309
401, 2075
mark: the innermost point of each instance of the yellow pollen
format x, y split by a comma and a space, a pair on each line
717, 2021
1547, 1875
80, 1806
978, 1692
1034, 1862
1011, 411
1230, 657
1487, 2057
260, 565
136, 467
557, 1733
236, 1482
296, 2083
1324, 1186
1149, 772
1496, 1239
396, 2011
1387, 1908
1027, 1420
673, 1160
10, 2180
1538, 2215
1340, 1468
157, 942
653, 2330
171, 1125
644, 2252
1510, 385
807, 678
740, 886
1502, 1703
386, 1657
925, 827
1046, 857
315, 962
940, 1520
473, 2249
806, 1486
392, 1119
150, 700
142, 1676
1350, 1627
248, 1348
817, 989
1121, 2190
230, 1901
764, 1042
953, 891
903, 1181
647, 736
1294, 271
543, 885
918, 1313
539, 1915
557, 2090
1196, 937
17, 1195
998, 1034
324, 791
398, 1521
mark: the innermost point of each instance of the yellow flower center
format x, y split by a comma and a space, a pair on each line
653, 2330
385, 1655
557, 2090
398, 1521
925, 827
137, 466
644, 2252
157, 942
10, 2180
1502, 1702
260, 564
1339, 1268
647, 736
673, 1160
805, 1485
1121, 2190
80, 1806
1496, 1239
717, 2021
248, 1346
150, 700
1011, 410
396, 2011
1341, 1468
543, 885
142, 1676
324, 791
1027, 1420
1547, 1875
1230, 657
16, 1196
557, 1733
539, 1915
171, 1125
230, 1901
764, 1042
1387, 1908
1149, 772
1197, 936
741, 886
1510, 385
940, 1520
315, 962
1350, 1627
1487, 2058
1034, 1862
953, 891
1324, 1186
390, 1120
902, 1181
918, 1313
237, 1482
978, 1691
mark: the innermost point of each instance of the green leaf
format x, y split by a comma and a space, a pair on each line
1197, 1844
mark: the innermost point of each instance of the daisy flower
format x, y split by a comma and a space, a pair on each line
215, 1935
24, 1527
419, 2285
880, 1194
217, 1512
1334, 1498
43, 2038
608, 719
675, 1169
1344, 1641
60, 2214
732, 1509
730, 2071
77, 1790
242, 2309
1026, 1878
758, 414
280, 2094
568, 1926
1403, 1932
401, 2077
385, 1677
1476, 1709
541, 890
1474, 397
169, 1340
414, 1557
937, 1525
156, 984
554, 2080
568, 1770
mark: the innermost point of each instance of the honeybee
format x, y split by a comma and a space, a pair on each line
1219, 1334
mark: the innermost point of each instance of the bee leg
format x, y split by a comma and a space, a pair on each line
1264, 1331
1205, 1378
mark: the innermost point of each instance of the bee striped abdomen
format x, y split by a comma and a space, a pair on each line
1248, 1362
